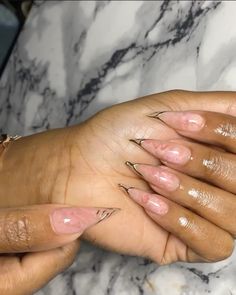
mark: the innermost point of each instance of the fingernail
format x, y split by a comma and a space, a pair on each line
183, 121
133, 167
167, 151
151, 202
159, 176
77, 220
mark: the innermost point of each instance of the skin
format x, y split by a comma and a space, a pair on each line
36, 243
26, 229
25, 275
82, 166
199, 213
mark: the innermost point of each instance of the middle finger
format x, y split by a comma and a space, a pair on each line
206, 163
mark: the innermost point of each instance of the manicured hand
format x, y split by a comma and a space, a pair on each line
83, 165
195, 185
50, 233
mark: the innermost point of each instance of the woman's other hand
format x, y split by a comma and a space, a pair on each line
46, 240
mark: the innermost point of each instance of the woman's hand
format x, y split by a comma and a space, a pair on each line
82, 166
196, 186
52, 231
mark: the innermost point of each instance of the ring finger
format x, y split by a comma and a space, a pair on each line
210, 202
194, 231
197, 160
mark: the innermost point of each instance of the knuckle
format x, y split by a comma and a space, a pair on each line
202, 199
226, 129
16, 231
212, 164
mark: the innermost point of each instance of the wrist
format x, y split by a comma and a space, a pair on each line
33, 168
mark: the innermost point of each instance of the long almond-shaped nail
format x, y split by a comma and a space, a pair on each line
73, 220
159, 176
151, 202
183, 121
167, 151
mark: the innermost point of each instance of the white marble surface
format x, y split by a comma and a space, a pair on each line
76, 57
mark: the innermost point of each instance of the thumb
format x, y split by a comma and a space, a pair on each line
43, 227
32, 271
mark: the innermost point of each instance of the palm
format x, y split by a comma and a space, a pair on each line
101, 167
83, 165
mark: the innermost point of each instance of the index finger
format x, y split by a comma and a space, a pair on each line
44, 227
208, 127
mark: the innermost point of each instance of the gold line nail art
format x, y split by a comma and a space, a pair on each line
133, 167
125, 188
105, 213
138, 141
156, 114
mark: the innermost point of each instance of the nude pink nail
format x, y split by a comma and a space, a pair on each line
151, 202
77, 220
167, 151
159, 176
185, 121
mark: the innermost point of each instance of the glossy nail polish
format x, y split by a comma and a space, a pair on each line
167, 151
77, 220
151, 202
183, 121
159, 176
